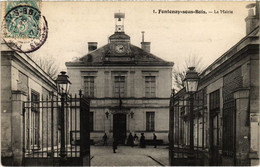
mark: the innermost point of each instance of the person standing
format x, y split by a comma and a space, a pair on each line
154, 140
142, 141
114, 145
105, 139
131, 140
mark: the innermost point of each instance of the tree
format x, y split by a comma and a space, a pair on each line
48, 65
179, 73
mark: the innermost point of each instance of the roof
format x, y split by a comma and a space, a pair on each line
119, 35
28, 64
137, 57
250, 39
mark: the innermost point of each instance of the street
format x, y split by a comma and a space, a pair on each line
128, 156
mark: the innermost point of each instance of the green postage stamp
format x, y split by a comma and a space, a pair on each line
22, 19
24, 28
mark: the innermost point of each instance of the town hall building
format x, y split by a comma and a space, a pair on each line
129, 87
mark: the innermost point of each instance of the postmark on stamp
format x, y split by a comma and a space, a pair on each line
24, 28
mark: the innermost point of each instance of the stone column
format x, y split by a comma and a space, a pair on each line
242, 126
254, 139
107, 84
17, 126
132, 84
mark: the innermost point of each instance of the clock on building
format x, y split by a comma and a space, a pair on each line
120, 48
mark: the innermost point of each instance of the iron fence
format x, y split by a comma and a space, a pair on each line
182, 150
42, 127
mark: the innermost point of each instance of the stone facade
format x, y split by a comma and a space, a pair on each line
119, 58
20, 76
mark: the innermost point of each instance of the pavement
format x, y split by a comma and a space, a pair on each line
128, 156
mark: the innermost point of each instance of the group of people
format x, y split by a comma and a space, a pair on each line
132, 140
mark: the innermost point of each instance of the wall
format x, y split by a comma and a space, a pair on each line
103, 83
6, 106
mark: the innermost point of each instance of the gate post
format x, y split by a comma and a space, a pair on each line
84, 130
171, 129
62, 149
242, 126
17, 126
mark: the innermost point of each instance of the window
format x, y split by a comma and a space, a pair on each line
149, 121
89, 86
91, 121
35, 118
35, 101
119, 90
214, 105
150, 86
214, 100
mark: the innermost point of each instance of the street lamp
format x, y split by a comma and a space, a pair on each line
191, 85
191, 80
63, 85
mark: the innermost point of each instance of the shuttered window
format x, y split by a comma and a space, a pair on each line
120, 86
89, 86
149, 121
150, 86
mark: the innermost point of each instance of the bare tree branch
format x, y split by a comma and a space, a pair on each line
178, 74
48, 65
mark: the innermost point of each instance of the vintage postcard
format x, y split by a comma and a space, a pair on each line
135, 83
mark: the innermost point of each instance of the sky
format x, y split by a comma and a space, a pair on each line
173, 37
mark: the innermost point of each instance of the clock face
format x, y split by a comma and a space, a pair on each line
120, 49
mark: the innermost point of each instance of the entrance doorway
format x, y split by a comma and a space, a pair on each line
119, 128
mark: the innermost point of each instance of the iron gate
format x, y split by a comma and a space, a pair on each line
42, 138
182, 151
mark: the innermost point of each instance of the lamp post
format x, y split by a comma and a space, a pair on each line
63, 85
191, 85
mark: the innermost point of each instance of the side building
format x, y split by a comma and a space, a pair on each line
226, 106
21, 80
129, 87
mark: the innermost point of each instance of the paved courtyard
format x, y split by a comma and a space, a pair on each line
128, 156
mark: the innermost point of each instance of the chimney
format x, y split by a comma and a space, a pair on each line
92, 46
145, 45
252, 20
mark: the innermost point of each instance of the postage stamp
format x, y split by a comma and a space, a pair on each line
24, 28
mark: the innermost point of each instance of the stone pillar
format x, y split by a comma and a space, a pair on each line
107, 84
242, 126
132, 83
17, 126
254, 139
